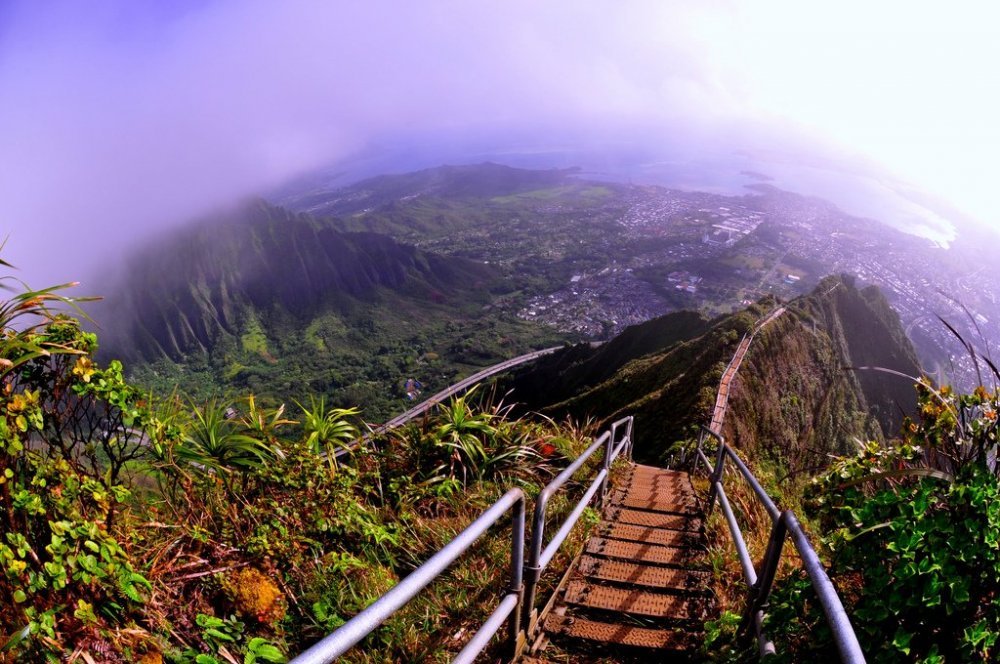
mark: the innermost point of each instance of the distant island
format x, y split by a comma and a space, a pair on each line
757, 176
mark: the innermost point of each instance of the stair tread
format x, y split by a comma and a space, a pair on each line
639, 552
647, 534
640, 469
630, 601
654, 519
626, 635
659, 489
656, 503
637, 574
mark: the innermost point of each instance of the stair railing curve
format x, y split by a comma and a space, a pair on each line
784, 524
357, 628
514, 608
539, 557
441, 396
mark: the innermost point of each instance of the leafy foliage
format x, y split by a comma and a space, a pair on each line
143, 528
913, 530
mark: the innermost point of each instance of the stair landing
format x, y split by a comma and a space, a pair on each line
641, 589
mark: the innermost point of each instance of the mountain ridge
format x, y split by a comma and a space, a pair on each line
797, 389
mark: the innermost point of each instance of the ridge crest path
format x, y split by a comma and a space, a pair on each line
641, 586
722, 397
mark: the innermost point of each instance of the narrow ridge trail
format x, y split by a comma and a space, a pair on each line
722, 397
642, 586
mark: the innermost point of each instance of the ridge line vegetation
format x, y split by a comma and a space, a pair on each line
140, 528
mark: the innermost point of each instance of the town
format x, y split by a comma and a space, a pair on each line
716, 253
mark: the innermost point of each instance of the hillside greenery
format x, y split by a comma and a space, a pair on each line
165, 527
911, 532
285, 305
800, 394
157, 528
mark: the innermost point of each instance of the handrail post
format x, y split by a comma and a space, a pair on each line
609, 447
533, 565
532, 571
698, 447
517, 573
716, 478
628, 432
761, 590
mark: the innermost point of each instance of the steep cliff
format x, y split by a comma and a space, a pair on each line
798, 395
282, 304
212, 279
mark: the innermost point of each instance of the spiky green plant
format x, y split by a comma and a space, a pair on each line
214, 443
466, 437
27, 312
327, 429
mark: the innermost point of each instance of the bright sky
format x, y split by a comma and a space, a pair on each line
121, 116
913, 85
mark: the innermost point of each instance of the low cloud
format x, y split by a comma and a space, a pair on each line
119, 118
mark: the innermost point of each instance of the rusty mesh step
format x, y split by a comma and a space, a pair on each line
670, 488
634, 602
640, 469
658, 475
635, 533
625, 635
652, 493
657, 479
638, 552
651, 576
654, 519
656, 504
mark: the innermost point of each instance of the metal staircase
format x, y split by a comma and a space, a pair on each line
640, 584
640, 589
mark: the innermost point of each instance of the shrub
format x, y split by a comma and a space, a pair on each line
913, 531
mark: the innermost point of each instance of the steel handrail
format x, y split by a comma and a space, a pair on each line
439, 397
783, 524
539, 558
513, 605
357, 628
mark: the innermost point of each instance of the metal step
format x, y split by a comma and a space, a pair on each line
638, 552
655, 503
633, 602
645, 491
654, 520
639, 469
625, 635
659, 488
650, 576
658, 476
648, 535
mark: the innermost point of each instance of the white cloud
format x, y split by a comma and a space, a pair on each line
119, 117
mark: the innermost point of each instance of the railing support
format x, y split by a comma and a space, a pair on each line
539, 558
836, 616
357, 628
716, 478
783, 525
761, 591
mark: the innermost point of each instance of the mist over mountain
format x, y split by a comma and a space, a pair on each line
282, 304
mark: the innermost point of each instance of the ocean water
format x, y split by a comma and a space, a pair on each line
857, 193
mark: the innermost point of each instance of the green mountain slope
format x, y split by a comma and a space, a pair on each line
283, 304
796, 394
